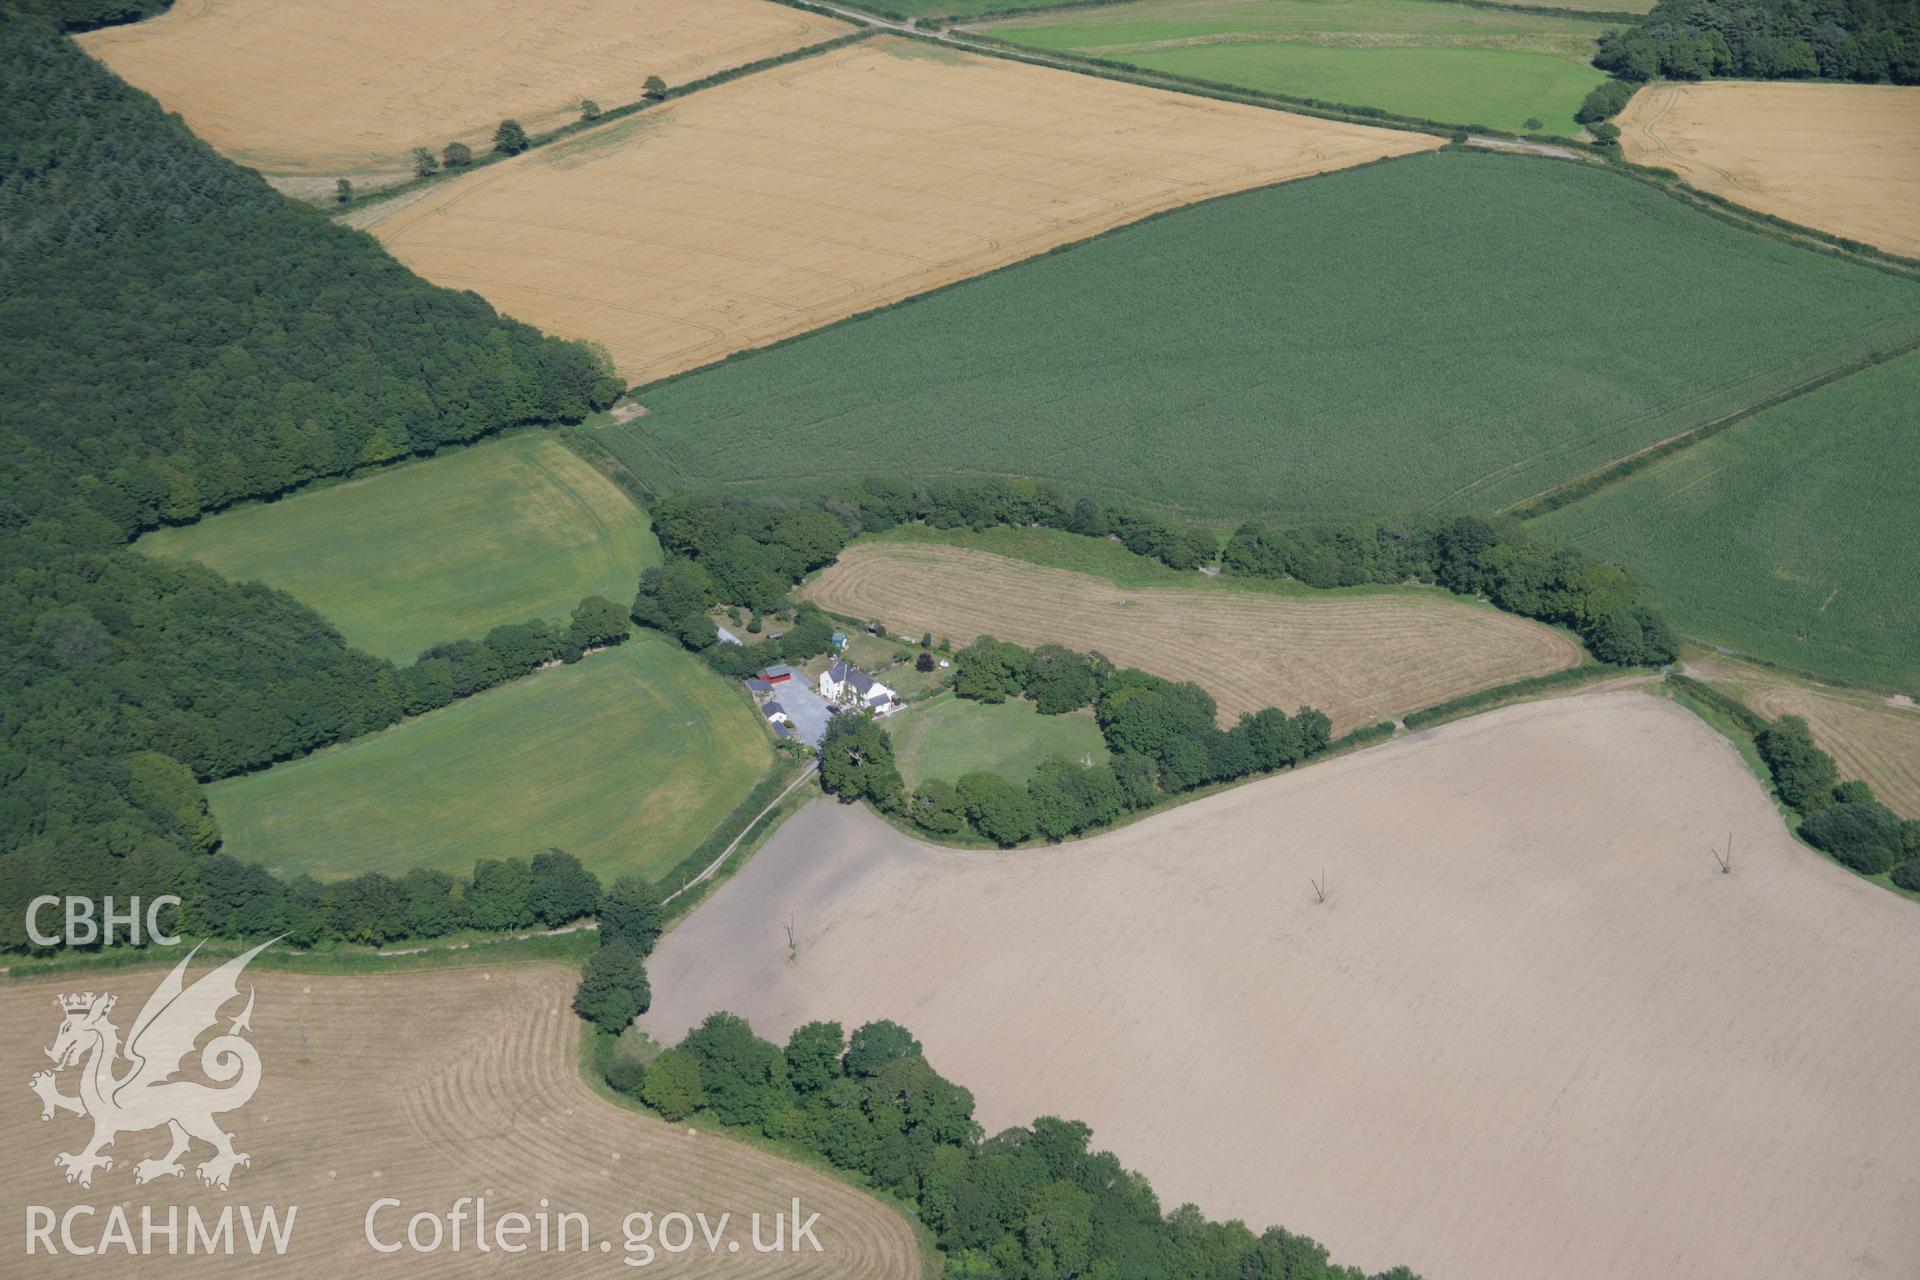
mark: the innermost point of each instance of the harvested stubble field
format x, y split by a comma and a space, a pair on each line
802, 195
349, 86
1788, 537
1359, 658
1533, 1031
1841, 157
1250, 354
424, 1086
1873, 736
437, 550
627, 759
1422, 58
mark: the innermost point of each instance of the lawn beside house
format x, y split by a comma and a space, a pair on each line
946, 737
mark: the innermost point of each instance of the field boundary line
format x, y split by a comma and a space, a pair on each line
636, 391
415, 186
1042, 10
1571, 491
707, 872
967, 39
586, 446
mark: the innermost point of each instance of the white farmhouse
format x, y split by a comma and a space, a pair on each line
847, 685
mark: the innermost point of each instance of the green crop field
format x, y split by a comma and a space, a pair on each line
627, 759
1453, 63
1791, 537
949, 736
1453, 330
442, 549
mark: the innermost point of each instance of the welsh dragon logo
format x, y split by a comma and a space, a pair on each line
133, 1088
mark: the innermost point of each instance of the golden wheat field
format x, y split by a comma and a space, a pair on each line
1532, 1032
425, 1087
1841, 157
1360, 659
352, 86
1870, 735
813, 191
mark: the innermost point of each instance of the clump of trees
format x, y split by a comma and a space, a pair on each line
1841, 818
1862, 834
856, 762
461, 668
1161, 734
1028, 1202
510, 139
1804, 776
1907, 874
732, 554
613, 988
1868, 41
1605, 101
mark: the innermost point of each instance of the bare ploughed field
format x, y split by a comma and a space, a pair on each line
350, 86
1533, 1032
1360, 659
425, 1086
810, 192
1841, 157
1871, 736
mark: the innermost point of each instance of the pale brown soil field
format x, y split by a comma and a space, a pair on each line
339, 86
424, 1086
1533, 1032
785, 200
1870, 735
1360, 659
1843, 158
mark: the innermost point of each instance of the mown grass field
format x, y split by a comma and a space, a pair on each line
626, 759
1456, 330
950, 736
443, 549
1361, 656
1447, 62
1790, 537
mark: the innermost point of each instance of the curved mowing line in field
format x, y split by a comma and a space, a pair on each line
427, 1086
